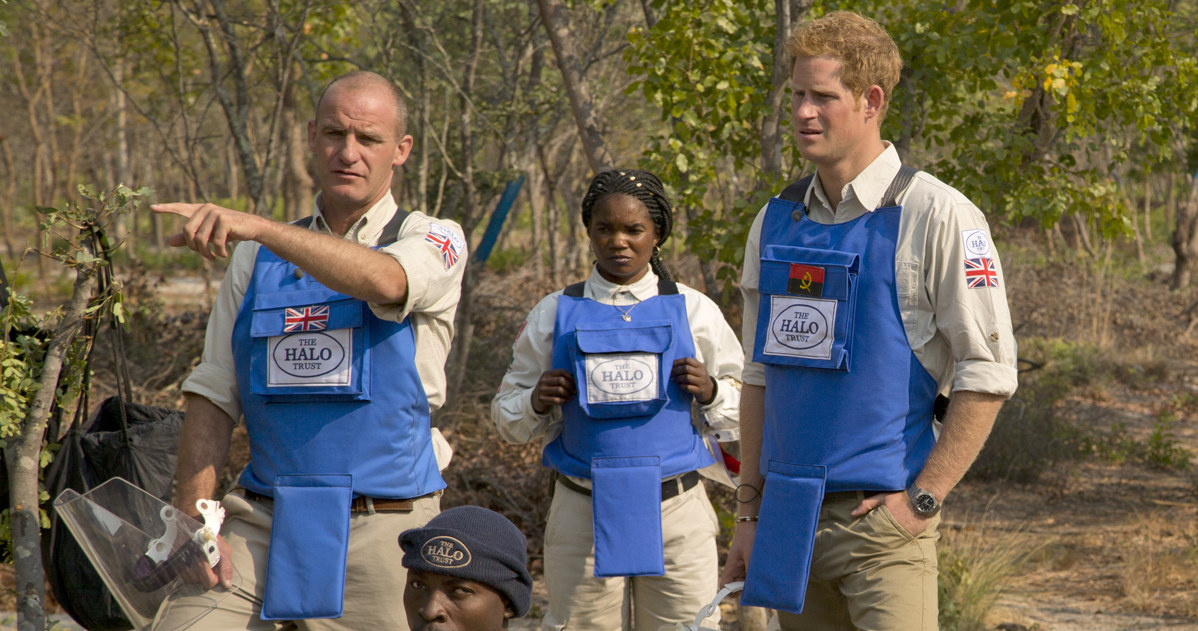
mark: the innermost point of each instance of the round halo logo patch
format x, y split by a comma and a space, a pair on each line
444, 551
976, 244
307, 355
624, 376
800, 327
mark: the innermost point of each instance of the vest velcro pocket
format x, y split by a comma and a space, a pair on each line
808, 304
309, 542
626, 503
309, 345
621, 371
785, 539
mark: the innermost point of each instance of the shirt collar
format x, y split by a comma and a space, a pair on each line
865, 192
604, 290
369, 227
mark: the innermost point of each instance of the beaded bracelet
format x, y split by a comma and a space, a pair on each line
756, 493
740, 519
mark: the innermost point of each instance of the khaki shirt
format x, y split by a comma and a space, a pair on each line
961, 335
434, 287
532, 354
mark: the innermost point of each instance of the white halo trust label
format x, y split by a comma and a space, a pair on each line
975, 243
622, 377
801, 327
317, 358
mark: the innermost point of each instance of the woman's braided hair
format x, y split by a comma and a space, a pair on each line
645, 188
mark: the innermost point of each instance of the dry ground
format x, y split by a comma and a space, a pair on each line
1117, 544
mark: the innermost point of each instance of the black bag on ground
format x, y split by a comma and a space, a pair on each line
139, 446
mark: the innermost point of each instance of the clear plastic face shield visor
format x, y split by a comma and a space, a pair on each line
146, 551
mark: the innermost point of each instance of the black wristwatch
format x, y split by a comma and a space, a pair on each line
924, 502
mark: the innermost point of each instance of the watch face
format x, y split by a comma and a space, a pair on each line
925, 503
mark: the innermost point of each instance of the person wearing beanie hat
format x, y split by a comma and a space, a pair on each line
467, 571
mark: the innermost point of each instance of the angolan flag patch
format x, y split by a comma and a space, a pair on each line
980, 272
805, 280
306, 319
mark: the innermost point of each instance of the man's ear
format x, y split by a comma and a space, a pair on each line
508, 612
874, 97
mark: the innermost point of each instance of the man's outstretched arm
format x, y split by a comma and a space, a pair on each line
341, 265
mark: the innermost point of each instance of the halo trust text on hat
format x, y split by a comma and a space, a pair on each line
445, 552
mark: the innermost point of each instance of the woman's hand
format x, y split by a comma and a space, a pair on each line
691, 375
555, 387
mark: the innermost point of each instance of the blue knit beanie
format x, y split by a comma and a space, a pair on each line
476, 544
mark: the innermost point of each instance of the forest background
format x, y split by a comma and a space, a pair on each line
1071, 124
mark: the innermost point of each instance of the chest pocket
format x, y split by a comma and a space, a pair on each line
309, 345
808, 301
622, 371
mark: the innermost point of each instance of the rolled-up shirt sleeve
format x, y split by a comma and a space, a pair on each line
433, 255
967, 293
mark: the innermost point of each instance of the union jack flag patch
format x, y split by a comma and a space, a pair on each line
447, 243
980, 272
306, 319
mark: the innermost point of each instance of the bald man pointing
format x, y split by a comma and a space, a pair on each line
329, 338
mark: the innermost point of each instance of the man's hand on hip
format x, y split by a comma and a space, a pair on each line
900, 507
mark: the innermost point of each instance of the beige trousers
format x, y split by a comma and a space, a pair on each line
868, 574
578, 601
374, 573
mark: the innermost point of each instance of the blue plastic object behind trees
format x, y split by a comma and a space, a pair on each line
491, 236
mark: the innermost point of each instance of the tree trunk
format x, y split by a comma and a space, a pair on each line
1135, 229
1185, 238
774, 128
123, 171
553, 15
23, 457
472, 214
297, 183
551, 220
1147, 209
236, 103
537, 187
10, 196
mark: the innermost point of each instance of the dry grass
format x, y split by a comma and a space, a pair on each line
1160, 573
977, 566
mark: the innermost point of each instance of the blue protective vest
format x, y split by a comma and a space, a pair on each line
848, 406
630, 426
851, 395
369, 417
334, 408
608, 421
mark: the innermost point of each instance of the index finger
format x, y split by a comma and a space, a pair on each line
176, 208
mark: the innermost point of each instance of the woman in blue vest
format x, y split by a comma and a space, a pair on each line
621, 377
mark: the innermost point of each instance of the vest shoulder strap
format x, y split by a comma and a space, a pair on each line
796, 191
901, 181
390, 231
664, 288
